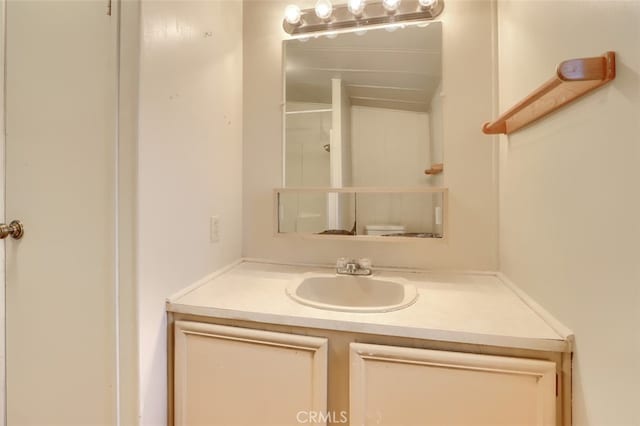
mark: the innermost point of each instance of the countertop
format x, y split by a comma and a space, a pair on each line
461, 307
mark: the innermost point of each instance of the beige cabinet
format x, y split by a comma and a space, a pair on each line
227, 375
392, 385
231, 375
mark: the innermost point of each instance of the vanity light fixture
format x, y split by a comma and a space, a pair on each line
324, 9
391, 6
427, 4
358, 15
356, 7
293, 15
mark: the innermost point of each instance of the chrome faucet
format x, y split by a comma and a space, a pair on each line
346, 266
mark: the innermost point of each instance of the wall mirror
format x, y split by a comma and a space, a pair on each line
363, 109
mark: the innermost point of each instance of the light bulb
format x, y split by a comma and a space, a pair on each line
391, 5
292, 14
324, 9
356, 7
427, 4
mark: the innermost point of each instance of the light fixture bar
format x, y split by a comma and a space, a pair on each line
373, 14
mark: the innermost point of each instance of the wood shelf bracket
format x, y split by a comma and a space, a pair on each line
574, 78
435, 169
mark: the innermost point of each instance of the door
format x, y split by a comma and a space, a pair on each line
60, 181
406, 386
238, 376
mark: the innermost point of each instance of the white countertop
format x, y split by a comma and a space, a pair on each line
474, 308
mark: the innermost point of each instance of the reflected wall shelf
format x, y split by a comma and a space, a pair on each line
309, 111
435, 169
574, 78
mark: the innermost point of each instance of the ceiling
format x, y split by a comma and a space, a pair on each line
397, 70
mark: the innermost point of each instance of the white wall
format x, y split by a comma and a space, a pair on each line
344, 202
345, 137
436, 149
569, 229
436, 134
470, 159
190, 164
391, 148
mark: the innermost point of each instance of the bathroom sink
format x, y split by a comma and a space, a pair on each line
352, 293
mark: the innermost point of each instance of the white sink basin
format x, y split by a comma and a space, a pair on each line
352, 293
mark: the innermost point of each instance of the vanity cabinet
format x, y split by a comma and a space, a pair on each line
232, 372
392, 385
239, 376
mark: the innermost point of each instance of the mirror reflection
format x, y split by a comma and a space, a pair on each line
363, 110
398, 214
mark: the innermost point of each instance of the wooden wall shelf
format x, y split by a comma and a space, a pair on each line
435, 169
574, 78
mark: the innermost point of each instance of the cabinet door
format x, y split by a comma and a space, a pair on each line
237, 376
406, 386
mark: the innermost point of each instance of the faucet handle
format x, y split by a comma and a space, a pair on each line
365, 263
